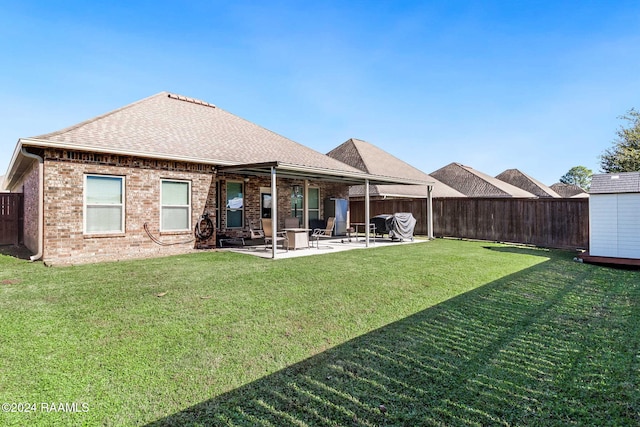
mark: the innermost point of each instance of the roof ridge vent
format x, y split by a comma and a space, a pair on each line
191, 100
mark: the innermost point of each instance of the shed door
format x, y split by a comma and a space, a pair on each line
629, 225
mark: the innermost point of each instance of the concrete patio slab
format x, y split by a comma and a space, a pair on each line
325, 246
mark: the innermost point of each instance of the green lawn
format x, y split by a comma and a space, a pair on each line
441, 333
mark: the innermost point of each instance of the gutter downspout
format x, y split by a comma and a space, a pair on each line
40, 160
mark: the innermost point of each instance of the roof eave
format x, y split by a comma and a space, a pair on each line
16, 168
35, 142
351, 177
407, 196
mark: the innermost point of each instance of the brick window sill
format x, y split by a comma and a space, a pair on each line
103, 235
175, 233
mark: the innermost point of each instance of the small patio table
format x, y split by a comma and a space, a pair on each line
372, 229
297, 237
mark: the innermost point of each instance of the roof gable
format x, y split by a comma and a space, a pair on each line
371, 159
568, 190
612, 183
473, 183
173, 126
521, 180
348, 153
374, 160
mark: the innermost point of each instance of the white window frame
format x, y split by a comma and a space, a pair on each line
226, 199
263, 191
309, 210
85, 205
188, 205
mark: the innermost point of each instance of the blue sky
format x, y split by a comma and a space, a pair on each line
533, 85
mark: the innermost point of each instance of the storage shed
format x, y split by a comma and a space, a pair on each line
614, 215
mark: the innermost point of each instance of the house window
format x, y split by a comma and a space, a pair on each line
103, 204
265, 205
314, 203
235, 204
297, 203
175, 206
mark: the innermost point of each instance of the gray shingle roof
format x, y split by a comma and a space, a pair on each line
568, 190
624, 182
473, 183
527, 183
173, 126
371, 159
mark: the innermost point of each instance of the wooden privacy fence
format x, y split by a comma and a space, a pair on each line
10, 218
552, 223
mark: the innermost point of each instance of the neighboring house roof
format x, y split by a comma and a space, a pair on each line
473, 183
580, 196
568, 190
371, 159
527, 183
613, 183
174, 127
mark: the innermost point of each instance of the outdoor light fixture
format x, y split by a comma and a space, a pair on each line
297, 195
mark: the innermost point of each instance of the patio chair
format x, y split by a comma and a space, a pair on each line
255, 233
319, 233
280, 237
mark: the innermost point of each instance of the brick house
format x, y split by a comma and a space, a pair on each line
133, 182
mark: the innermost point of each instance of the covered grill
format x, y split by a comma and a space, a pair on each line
399, 226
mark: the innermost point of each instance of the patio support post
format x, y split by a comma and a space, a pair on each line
274, 213
429, 211
367, 213
305, 203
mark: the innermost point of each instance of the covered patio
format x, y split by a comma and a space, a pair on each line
280, 170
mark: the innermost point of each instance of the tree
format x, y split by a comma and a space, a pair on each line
578, 175
624, 156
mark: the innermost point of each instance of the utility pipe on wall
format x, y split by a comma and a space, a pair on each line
274, 213
430, 211
40, 160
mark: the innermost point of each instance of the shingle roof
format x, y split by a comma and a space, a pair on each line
568, 190
473, 183
371, 159
624, 182
173, 126
527, 183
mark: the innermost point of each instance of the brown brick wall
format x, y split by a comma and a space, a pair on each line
65, 242
30, 190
